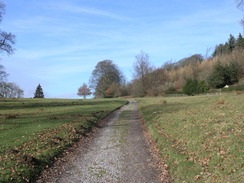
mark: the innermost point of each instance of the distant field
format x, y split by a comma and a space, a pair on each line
34, 131
200, 137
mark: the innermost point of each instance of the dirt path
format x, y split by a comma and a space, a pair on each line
117, 153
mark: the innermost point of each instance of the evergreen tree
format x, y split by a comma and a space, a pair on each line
193, 87
240, 42
226, 48
231, 43
221, 49
229, 46
218, 78
224, 75
218, 50
233, 72
39, 92
190, 87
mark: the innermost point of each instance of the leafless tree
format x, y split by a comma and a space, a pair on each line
84, 90
142, 68
240, 6
2, 10
7, 40
10, 90
3, 73
207, 53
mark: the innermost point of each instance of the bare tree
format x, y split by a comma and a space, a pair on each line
84, 90
7, 40
2, 10
10, 90
207, 53
142, 68
240, 6
103, 76
3, 73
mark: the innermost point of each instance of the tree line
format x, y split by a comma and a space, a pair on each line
229, 46
191, 75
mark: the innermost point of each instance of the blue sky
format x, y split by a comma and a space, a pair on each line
59, 42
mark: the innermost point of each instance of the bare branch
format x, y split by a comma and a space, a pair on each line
2, 10
240, 4
3, 74
6, 42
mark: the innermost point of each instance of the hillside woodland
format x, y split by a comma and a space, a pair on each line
191, 75
224, 67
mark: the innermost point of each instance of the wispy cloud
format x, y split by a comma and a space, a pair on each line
69, 7
30, 23
65, 69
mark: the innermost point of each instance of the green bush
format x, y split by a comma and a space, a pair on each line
193, 87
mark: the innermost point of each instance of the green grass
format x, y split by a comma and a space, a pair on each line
35, 131
200, 137
234, 88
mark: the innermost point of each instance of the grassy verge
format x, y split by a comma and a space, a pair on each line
34, 132
200, 137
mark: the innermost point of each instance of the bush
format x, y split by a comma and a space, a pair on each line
193, 87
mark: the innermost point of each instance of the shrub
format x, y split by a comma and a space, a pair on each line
193, 87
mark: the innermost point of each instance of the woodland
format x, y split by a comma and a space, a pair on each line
191, 75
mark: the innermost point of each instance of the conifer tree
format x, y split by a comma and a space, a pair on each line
240, 42
39, 92
221, 49
193, 87
224, 75
231, 43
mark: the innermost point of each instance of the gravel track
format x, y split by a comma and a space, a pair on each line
117, 153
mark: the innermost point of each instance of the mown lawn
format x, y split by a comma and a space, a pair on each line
200, 137
34, 131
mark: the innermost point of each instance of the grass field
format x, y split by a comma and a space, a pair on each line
34, 131
200, 137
